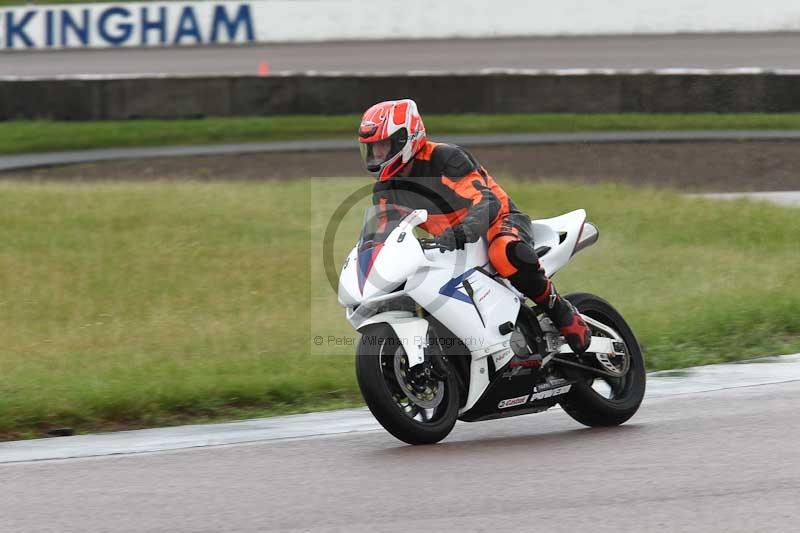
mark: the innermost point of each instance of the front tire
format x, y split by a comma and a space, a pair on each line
414, 420
585, 403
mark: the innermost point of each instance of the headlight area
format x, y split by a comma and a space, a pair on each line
357, 315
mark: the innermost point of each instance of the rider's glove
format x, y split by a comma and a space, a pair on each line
454, 238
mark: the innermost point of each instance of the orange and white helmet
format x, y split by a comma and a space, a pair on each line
390, 135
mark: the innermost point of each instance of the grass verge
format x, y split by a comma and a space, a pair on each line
43, 136
130, 304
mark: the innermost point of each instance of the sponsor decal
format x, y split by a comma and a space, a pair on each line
450, 289
511, 402
549, 393
134, 24
525, 363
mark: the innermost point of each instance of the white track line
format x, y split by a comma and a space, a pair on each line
34, 160
785, 198
738, 71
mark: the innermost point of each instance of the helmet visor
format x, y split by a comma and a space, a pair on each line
376, 154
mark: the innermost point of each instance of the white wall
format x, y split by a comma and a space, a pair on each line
360, 19
211, 22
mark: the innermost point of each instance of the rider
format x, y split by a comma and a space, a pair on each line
463, 201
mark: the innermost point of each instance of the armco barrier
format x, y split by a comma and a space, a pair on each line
187, 97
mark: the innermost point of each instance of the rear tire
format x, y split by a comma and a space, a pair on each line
585, 404
376, 378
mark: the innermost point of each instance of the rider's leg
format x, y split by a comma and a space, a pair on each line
515, 260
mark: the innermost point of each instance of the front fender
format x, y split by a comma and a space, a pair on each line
412, 332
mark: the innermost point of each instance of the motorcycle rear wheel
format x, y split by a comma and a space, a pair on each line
585, 403
381, 365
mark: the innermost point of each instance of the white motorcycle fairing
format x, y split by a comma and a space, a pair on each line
561, 237
459, 289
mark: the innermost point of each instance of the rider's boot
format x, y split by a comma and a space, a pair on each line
566, 318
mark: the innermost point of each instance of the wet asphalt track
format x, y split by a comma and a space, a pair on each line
711, 51
724, 460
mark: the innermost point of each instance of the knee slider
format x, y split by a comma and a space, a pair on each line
529, 278
522, 255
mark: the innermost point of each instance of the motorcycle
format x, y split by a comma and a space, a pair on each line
444, 338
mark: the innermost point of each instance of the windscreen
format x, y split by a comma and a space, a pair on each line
379, 221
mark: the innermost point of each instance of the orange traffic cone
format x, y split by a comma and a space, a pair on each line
263, 68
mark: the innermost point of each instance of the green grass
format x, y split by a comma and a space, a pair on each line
128, 305
43, 136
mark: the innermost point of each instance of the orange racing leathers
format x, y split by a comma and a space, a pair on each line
459, 193
454, 188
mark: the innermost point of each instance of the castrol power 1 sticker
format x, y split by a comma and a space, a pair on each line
511, 402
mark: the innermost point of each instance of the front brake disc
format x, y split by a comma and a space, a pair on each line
427, 395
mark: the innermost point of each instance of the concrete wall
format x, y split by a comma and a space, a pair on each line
217, 22
126, 98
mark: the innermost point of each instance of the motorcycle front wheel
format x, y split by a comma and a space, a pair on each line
415, 406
